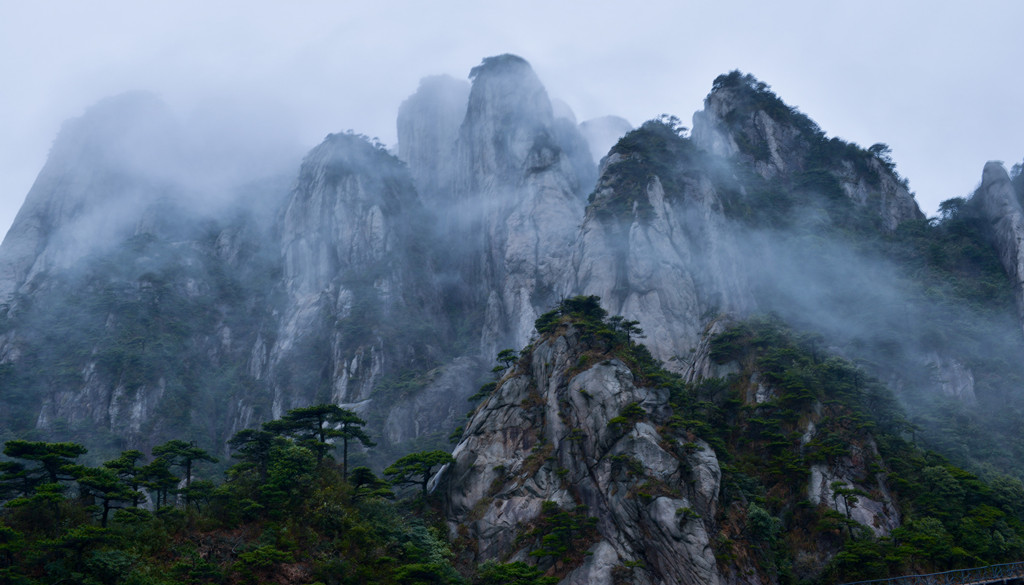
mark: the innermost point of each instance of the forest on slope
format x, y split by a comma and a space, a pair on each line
289, 511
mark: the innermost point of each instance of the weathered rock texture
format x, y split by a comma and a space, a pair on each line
546, 435
742, 120
93, 190
508, 207
353, 274
664, 257
1002, 208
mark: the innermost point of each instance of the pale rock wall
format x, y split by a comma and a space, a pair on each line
95, 184
1001, 207
544, 435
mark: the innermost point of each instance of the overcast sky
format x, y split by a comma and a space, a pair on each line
940, 82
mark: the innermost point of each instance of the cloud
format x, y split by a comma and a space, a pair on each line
936, 85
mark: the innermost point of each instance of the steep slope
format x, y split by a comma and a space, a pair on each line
1001, 207
680, 229
506, 209
428, 127
101, 172
743, 120
789, 465
362, 309
131, 311
562, 448
822, 233
655, 243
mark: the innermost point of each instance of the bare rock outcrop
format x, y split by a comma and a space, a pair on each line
1002, 208
552, 437
99, 178
354, 275
743, 120
656, 246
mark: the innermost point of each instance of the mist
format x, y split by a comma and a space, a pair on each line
361, 270
897, 75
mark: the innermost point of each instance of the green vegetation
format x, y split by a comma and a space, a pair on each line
562, 534
604, 336
657, 149
928, 299
950, 518
417, 468
812, 149
286, 513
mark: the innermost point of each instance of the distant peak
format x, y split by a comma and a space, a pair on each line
352, 151
121, 128
736, 79
500, 64
995, 169
434, 84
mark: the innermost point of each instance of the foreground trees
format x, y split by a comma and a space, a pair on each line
286, 508
314, 427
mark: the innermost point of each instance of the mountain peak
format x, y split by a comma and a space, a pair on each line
500, 64
428, 126
104, 167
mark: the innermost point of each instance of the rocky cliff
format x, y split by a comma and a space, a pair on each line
97, 182
743, 120
592, 460
356, 280
509, 204
120, 288
655, 243
363, 310
1001, 207
552, 441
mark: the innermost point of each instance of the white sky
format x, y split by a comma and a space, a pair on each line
939, 81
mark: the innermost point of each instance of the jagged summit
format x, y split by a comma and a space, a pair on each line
428, 126
1001, 207
744, 120
343, 210
508, 124
104, 168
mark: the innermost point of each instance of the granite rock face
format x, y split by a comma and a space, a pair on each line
97, 182
547, 435
508, 204
346, 237
742, 120
362, 308
522, 192
1001, 207
667, 260
428, 126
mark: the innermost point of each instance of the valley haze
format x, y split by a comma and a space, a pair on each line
934, 81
